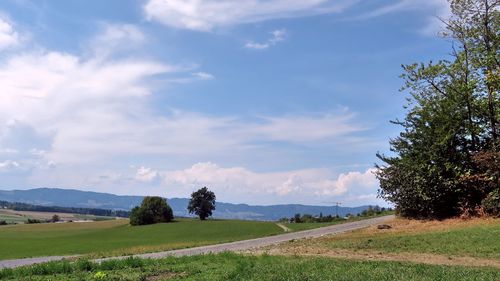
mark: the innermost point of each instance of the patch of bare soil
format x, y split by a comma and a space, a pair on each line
377, 256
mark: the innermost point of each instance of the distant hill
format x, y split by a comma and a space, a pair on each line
88, 199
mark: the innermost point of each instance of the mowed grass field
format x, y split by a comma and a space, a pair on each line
229, 266
12, 216
117, 237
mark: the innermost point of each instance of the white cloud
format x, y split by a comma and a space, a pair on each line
278, 35
8, 165
440, 9
204, 15
239, 182
204, 75
8, 36
8, 151
116, 37
300, 129
145, 174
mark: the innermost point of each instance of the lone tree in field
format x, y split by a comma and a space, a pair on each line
202, 203
55, 218
153, 210
446, 160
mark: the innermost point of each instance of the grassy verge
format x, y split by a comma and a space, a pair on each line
117, 237
237, 267
312, 225
479, 238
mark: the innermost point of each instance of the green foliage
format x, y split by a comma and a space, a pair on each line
229, 266
491, 204
33, 221
202, 203
152, 210
307, 218
55, 218
451, 121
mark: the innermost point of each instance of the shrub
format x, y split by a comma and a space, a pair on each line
153, 210
31, 221
491, 204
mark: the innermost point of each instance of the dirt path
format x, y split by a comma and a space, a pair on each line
284, 227
377, 256
233, 246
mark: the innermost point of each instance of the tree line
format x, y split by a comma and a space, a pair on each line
446, 160
308, 218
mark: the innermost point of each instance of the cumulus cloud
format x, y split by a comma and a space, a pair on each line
208, 14
309, 184
278, 35
8, 36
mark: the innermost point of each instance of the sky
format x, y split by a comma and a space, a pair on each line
263, 101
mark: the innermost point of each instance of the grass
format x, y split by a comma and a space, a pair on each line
12, 218
237, 267
117, 237
479, 238
312, 225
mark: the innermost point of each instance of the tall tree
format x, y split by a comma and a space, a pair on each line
451, 121
202, 203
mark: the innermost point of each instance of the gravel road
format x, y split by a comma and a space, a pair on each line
233, 246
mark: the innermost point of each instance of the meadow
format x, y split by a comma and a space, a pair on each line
229, 266
117, 237
19, 217
410, 250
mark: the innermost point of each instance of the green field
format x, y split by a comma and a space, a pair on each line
117, 237
476, 241
237, 267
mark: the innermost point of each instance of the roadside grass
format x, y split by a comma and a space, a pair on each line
117, 237
312, 225
480, 238
477, 238
228, 266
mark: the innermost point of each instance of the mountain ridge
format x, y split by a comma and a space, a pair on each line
90, 199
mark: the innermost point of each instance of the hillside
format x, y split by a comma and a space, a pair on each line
88, 199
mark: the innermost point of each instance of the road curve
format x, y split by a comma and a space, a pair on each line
232, 246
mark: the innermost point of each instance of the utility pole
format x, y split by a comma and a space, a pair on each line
337, 204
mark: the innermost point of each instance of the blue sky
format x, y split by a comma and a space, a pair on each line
265, 102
